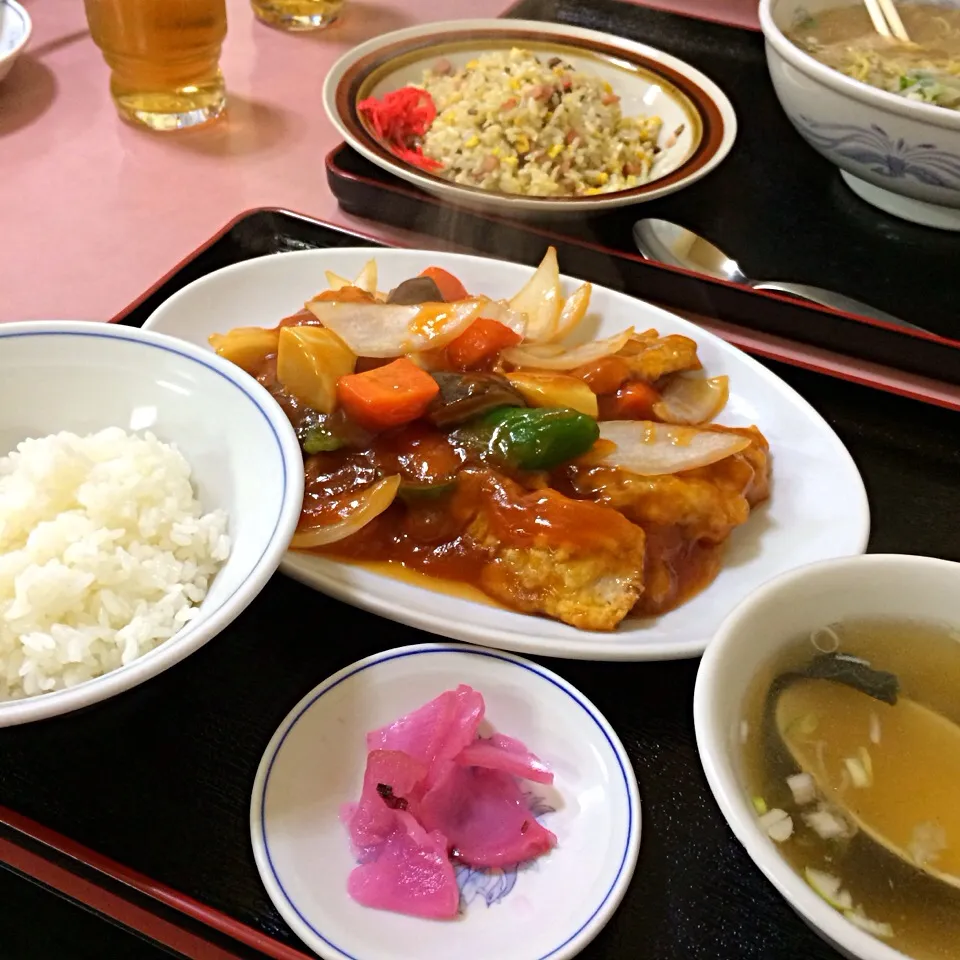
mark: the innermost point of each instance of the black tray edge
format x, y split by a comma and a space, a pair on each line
732, 306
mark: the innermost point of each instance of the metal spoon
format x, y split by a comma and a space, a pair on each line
666, 242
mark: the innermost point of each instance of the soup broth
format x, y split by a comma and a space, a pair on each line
861, 775
927, 69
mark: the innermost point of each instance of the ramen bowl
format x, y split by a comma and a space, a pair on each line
900, 155
747, 649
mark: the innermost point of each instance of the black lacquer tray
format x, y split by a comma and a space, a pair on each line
138, 808
774, 204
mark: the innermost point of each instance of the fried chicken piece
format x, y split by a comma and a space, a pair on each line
651, 356
573, 560
707, 503
686, 516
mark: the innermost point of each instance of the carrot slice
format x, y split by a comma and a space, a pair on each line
483, 339
605, 375
387, 396
449, 286
634, 401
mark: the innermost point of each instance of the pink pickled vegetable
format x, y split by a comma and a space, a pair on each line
504, 753
436, 732
435, 792
392, 779
485, 818
413, 874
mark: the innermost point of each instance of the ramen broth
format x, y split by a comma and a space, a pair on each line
927, 69
866, 762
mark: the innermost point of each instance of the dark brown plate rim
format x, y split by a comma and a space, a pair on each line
348, 92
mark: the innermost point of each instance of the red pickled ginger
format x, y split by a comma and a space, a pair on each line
434, 792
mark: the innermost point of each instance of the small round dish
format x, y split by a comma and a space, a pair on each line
551, 908
82, 377
696, 113
15, 30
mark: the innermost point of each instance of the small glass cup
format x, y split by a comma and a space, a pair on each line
164, 59
298, 14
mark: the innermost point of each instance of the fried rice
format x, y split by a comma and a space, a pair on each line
516, 123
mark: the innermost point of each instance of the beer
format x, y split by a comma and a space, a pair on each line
298, 14
164, 58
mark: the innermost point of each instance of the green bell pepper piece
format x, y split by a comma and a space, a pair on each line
539, 438
318, 438
424, 493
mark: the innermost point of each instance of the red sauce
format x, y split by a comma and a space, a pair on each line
426, 527
443, 485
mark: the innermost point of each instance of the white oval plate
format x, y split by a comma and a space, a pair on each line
315, 762
818, 509
699, 123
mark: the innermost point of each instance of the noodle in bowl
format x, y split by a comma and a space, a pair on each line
898, 152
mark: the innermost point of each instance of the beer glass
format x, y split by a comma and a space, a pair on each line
298, 14
164, 58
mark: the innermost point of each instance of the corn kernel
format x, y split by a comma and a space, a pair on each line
473, 64
510, 161
602, 178
472, 142
607, 88
514, 84
522, 144
496, 151
590, 191
555, 150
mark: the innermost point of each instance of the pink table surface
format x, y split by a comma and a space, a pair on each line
93, 211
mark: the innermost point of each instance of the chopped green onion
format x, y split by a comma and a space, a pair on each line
858, 772
827, 886
803, 787
778, 824
872, 927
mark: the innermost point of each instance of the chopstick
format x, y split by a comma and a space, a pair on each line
886, 19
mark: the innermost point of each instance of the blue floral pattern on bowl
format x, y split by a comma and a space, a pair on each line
883, 155
493, 884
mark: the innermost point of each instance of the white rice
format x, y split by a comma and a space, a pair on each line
105, 553
520, 123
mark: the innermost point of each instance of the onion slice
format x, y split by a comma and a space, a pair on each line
574, 310
393, 329
540, 299
370, 503
367, 277
335, 281
692, 400
366, 280
656, 449
551, 356
502, 312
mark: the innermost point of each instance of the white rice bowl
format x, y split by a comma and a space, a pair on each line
105, 553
